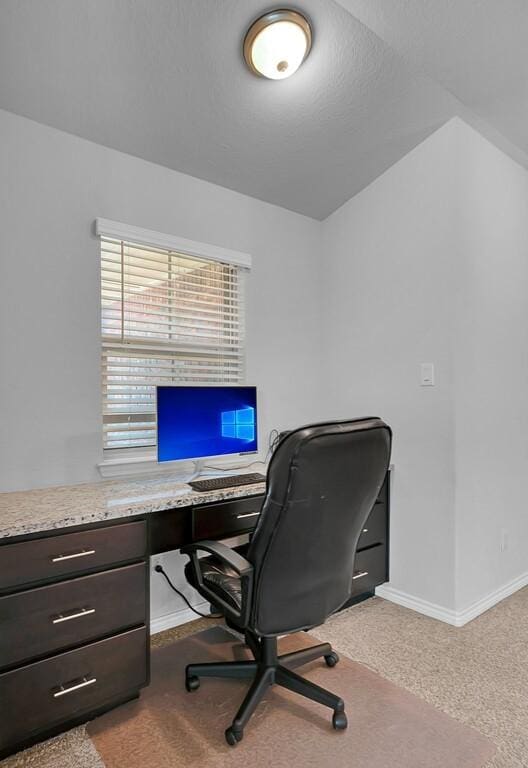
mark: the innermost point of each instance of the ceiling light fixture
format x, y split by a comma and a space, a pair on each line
277, 44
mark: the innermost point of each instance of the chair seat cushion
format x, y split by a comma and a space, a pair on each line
219, 578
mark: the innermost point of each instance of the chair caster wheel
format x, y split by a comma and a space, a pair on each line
233, 737
331, 659
339, 721
192, 683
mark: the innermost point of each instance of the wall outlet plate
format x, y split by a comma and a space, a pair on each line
426, 374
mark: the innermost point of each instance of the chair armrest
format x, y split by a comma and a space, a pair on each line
239, 564
229, 556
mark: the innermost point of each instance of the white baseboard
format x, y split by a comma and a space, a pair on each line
417, 604
455, 618
174, 619
492, 599
447, 615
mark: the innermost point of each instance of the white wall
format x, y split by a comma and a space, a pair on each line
491, 365
388, 274
430, 263
53, 185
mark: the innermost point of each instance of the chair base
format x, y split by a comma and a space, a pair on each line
270, 669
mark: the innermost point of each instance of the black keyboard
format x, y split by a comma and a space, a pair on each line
230, 481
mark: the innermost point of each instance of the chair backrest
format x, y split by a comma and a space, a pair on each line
323, 481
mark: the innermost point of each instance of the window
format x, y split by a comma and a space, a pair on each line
167, 318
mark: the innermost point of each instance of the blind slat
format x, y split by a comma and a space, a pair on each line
184, 294
159, 271
147, 348
143, 279
231, 315
220, 326
166, 302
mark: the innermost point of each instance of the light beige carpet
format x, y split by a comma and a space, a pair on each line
486, 687
73, 749
170, 728
477, 673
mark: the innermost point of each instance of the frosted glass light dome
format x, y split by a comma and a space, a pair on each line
277, 44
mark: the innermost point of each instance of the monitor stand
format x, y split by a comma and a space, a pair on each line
198, 468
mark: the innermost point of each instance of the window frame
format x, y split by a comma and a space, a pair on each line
135, 459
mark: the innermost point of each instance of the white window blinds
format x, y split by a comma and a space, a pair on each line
167, 318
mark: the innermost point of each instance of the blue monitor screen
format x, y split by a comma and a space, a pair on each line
194, 422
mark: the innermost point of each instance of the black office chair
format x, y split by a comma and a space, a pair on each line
322, 483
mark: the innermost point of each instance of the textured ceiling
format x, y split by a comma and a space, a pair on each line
477, 49
164, 80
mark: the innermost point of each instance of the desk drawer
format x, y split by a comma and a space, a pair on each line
45, 620
375, 530
40, 696
55, 557
227, 518
370, 569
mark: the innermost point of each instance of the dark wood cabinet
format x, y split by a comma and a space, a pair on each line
226, 518
40, 621
73, 627
47, 693
371, 565
375, 530
74, 608
54, 557
370, 569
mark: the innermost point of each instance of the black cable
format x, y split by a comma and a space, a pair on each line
159, 569
273, 440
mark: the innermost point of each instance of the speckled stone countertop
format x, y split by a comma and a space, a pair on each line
46, 509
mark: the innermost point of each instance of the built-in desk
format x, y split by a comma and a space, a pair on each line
74, 589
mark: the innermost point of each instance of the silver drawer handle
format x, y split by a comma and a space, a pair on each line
248, 514
63, 691
69, 616
82, 553
360, 575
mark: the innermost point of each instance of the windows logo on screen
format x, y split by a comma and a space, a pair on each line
239, 424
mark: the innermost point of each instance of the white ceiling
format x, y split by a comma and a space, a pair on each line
164, 80
477, 49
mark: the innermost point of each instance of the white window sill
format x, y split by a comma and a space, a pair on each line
128, 465
147, 464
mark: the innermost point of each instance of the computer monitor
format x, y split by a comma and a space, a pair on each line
200, 422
